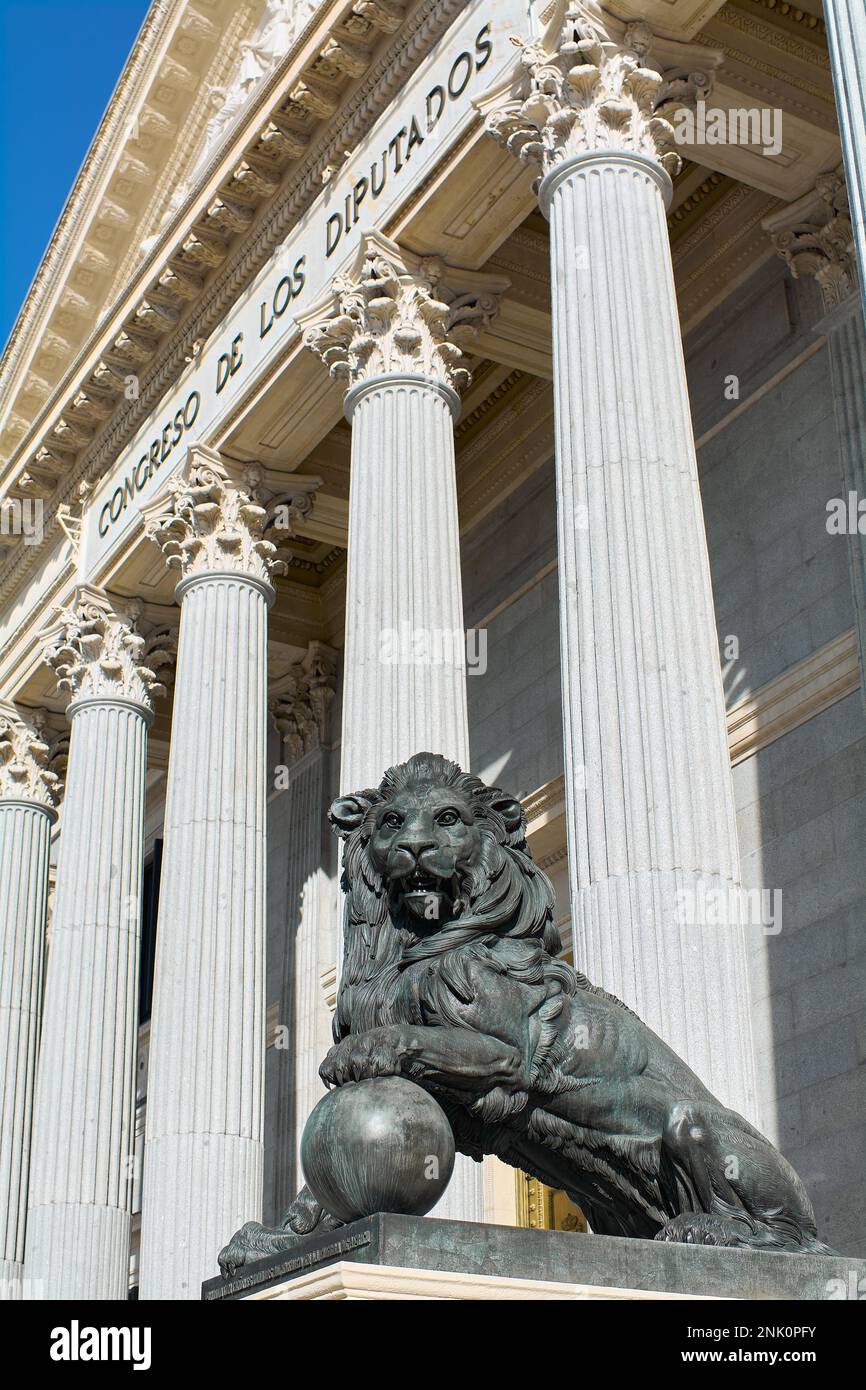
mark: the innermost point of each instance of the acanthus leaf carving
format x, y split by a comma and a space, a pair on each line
814, 236
593, 83
300, 708
206, 520
398, 313
27, 757
97, 651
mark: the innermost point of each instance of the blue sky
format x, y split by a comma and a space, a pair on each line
59, 63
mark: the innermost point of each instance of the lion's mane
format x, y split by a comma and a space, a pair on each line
504, 895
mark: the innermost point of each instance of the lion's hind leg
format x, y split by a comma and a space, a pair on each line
729, 1186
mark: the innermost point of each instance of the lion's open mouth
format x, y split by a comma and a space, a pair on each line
420, 882
427, 896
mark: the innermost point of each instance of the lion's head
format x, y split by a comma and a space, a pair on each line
434, 859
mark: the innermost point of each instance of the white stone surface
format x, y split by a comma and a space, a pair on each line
312, 904
393, 330
80, 1201
82, 1168
26, 816
300, 711
648, 788
403, 578
404, 575
347, 1281
204, 1125
846, 39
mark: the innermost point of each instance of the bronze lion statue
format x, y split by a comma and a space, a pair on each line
451, 978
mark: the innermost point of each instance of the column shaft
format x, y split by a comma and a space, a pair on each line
846, 37
648, 788
81, 1175
403, 584
310, 922
25, 837
203, 1137
403, 589
846, 338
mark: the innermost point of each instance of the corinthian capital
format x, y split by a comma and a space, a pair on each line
97, 652
395, 312
25, 757
594, 83
815, 237
205, 520
300, 706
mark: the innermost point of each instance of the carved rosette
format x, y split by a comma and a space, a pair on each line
99, 654
300, 709
815, 237
26, 754
594, 84
205, 521
396, 313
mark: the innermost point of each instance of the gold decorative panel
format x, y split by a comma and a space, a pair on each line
544, 1209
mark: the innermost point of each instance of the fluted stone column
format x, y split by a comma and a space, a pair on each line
79, 1210
391, 329
846, 39
650, 810
815, 238
846, 339
203, 1136
299, 709
28, 791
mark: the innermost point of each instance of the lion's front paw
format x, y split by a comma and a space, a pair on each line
704, 1228
376, 1053
253, 1242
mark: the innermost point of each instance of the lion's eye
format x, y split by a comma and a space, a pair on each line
447, 818
393, 821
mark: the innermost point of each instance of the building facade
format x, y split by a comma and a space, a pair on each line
426, 374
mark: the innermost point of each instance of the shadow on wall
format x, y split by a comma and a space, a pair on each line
782, 591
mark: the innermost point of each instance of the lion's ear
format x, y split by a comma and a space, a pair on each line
348, 812
511, 812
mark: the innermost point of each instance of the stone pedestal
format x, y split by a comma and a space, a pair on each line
400, 1257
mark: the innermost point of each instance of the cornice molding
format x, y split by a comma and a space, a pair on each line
97, 453
159, 17
796, 696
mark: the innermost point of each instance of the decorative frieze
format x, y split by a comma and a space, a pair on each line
398, 313
593, 84
300, 708
206, 521
99, 654
814, 236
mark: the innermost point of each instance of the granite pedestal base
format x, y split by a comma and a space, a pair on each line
399, 1257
